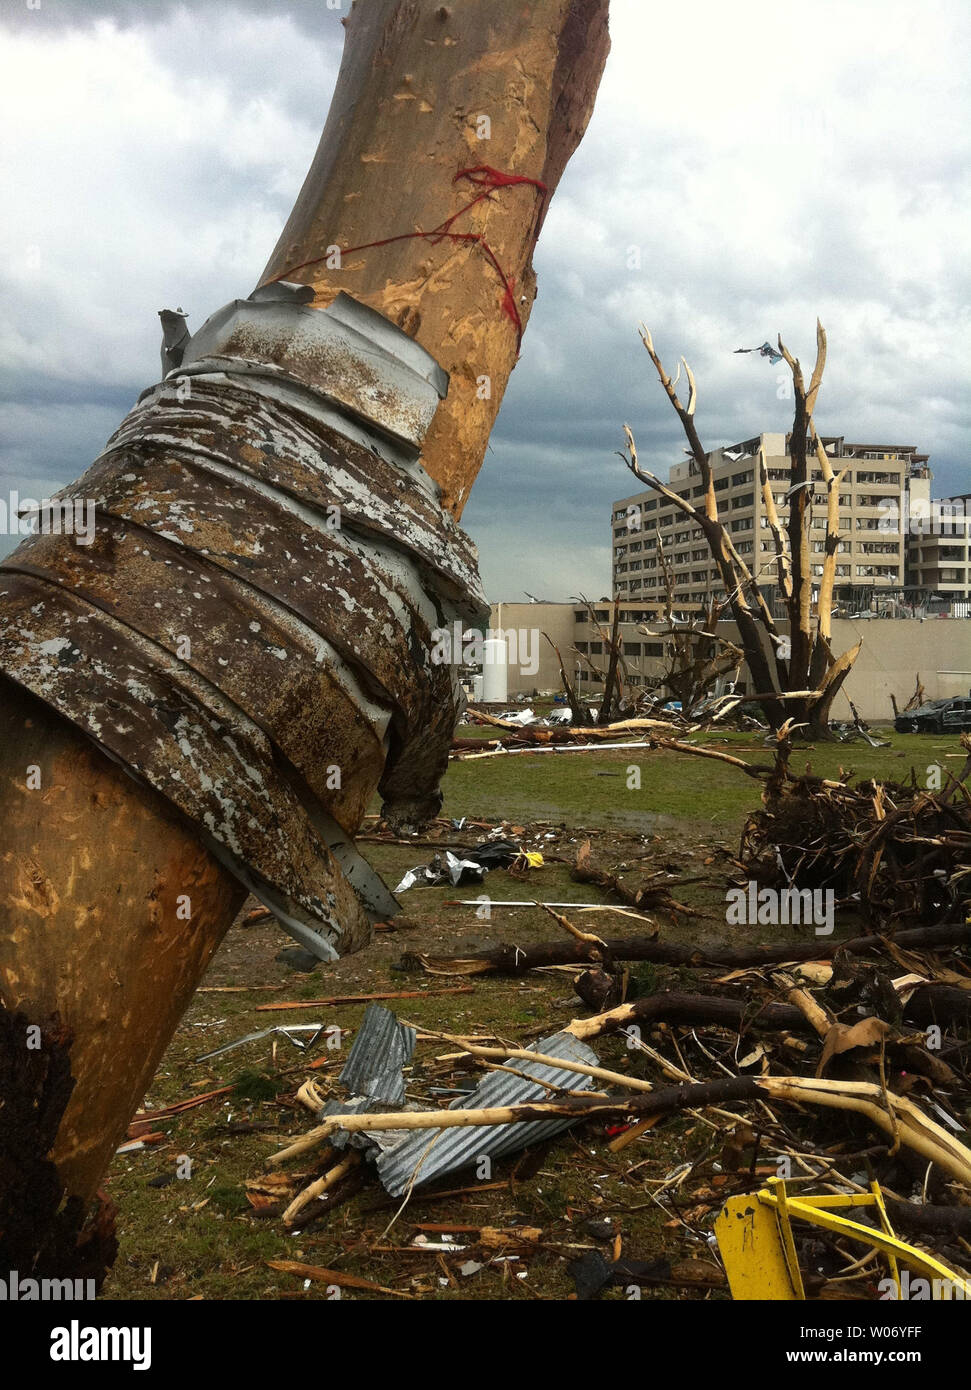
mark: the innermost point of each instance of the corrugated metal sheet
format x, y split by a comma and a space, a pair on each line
427, 1154
269, 562
369, 1142
382, 1048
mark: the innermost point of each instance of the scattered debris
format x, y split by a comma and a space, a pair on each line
592, 1273
472, 867
560, 1063
285, 1030
359, 998
339, 1278
901, 852
719, 1065
166, 1112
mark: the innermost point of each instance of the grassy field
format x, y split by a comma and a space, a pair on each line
184, 1237
592, 788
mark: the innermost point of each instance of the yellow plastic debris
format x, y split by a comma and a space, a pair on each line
754, 1234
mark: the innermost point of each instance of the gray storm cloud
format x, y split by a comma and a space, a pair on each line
731, 185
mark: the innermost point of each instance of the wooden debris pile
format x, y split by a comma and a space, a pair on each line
899, 851
832, 1065
840, 1066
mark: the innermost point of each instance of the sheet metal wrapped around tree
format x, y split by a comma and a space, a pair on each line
250, 631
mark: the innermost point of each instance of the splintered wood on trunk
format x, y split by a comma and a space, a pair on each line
90, 873
446, 88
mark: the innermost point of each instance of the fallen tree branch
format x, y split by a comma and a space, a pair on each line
323, 1185
516, 960
953, 1006
649, 894
674, 1007
903, 1119
341, 1278
531, 733
521, 1054
922, 1219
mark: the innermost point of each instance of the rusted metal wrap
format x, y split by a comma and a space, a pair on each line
250, 631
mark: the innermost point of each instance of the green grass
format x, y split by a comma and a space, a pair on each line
592, 788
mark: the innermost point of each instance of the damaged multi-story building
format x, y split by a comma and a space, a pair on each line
899, 550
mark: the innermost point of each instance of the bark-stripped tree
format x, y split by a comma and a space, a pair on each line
449, 129
696, 658
802, 677
614, 673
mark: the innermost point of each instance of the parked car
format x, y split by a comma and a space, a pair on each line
936, 717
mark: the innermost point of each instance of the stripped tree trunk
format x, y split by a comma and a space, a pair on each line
811, 663
92, 947
446, 88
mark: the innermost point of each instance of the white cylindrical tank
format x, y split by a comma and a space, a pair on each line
477, 688
495, 672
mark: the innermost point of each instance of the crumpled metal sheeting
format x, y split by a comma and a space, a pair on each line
343, 589
353, 356
374, 1074
426, 1154
382, 1048
379, 488
176, 732
261, 655
236, 478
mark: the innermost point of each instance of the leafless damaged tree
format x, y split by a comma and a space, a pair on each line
802, 676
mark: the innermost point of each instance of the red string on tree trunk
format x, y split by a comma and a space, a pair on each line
488, 179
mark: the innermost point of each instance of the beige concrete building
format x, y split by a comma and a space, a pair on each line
938, 542
529, 622
873, 555
894, 652
903, 575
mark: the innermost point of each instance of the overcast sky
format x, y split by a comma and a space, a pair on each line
769, 161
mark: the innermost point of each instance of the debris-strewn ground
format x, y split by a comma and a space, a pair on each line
190, 1227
